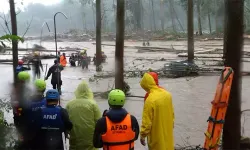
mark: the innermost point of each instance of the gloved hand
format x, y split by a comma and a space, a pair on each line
142, 140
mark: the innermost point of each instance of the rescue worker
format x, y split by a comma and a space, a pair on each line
155, 76
54, 122
56, 80
72, 60
63, 60
84, 61
118, 129
20, 67
84, 113
158, 116
37, 64
30, 113
19, 96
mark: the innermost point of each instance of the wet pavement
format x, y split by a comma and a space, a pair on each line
191, 96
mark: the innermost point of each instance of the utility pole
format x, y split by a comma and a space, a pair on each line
98, 35
233, 43
14, 42
190, 31
119, 47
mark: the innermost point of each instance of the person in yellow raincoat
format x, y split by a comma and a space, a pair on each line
84, 113
158, 116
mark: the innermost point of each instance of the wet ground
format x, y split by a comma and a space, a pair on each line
191, 96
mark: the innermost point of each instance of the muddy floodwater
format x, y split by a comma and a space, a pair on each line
191, 95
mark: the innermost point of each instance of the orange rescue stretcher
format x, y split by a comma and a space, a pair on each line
219, 109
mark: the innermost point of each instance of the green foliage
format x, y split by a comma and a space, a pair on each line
10, 38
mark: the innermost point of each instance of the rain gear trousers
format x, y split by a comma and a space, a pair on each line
158, 116
83, 112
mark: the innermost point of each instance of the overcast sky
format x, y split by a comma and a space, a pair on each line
4, 4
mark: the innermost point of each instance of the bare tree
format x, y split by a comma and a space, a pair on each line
14, 42
199, 16
162, 14
153, 13
119, 48
172, 11
233, 43
209, 21
6, 28
190, 31
98, 35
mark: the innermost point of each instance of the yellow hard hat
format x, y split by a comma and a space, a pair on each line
36, 53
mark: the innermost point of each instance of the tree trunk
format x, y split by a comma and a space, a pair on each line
142, 17
171, 11
103, 16
98, 35
178, 20
137, 15
209, 22
153, 13
233, 43
216, 17
14, 42
190, 31
199, 17
93, 10
119, 47
162, 15
150, 17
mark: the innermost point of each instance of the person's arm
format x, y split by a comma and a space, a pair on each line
135, 127
147, 117
65, 117
25, 68
30, 61
100, 128
49, 73
60, 67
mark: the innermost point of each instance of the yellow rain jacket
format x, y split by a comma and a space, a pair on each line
83, 112
158, 116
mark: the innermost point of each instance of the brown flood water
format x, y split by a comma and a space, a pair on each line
191, 96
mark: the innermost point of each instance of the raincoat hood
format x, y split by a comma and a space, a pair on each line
149, 81
83, 91
83, 113
158, 115
117, 115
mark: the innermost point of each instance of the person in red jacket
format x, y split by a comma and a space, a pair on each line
155, 76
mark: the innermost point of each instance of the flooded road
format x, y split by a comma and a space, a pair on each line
191, 96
